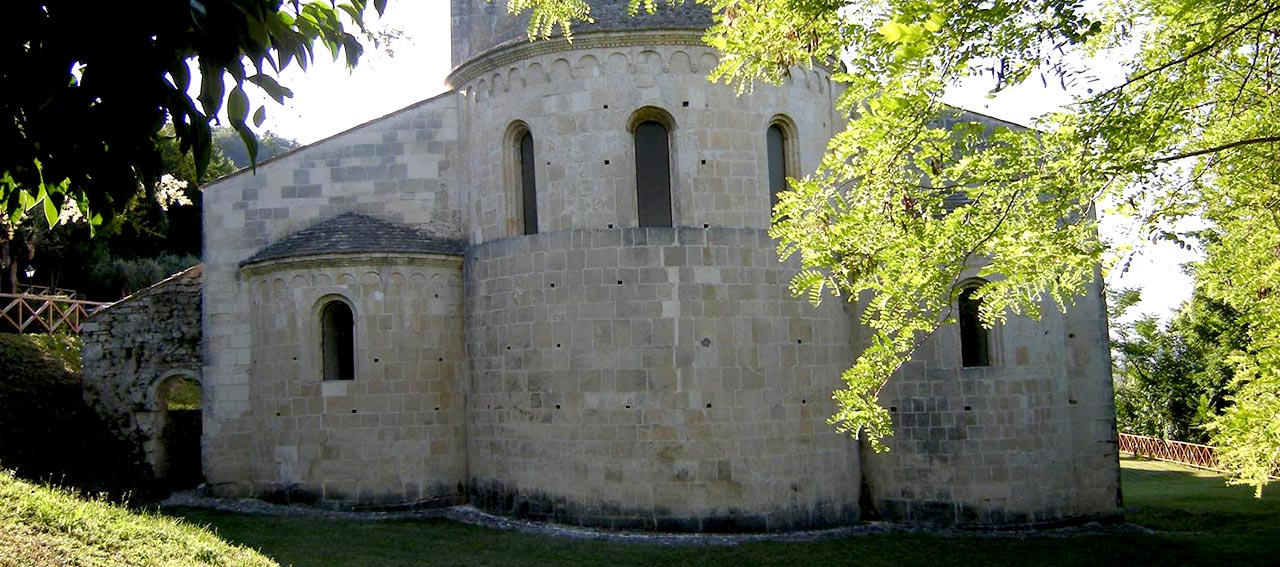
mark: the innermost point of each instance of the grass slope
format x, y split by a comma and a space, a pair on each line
1230, 528
41, 526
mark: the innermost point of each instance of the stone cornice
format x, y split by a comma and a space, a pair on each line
362, 259
511, 52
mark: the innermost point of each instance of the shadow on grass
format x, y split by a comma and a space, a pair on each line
1232, 528
328, 543
1227, 521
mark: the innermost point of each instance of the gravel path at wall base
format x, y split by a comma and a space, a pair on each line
470, 515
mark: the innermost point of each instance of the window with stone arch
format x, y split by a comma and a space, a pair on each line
783, 161
975, 340
522, 177
337, 340
651, 129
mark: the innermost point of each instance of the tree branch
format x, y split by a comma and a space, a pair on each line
1202, 50
1216, 149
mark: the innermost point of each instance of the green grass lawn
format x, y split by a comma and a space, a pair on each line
1216, 525
1226, 523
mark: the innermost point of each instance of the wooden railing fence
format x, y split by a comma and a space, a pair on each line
47, 291
1190, 454
22, 313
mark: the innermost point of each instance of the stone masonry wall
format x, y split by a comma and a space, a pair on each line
607, 374
399, 168
1003, 444
1029, 439
654, 378
1091, 405
395, 434
579, 102
481, 25
135, 345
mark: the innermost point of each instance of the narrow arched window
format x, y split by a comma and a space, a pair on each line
975, 349
528, 185
776, 142
653, 174
337, 330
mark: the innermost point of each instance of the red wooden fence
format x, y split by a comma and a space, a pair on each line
22, 313
1162, 449
1190, 454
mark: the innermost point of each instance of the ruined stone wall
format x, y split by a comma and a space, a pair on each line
132, 347
399, 168
654, 378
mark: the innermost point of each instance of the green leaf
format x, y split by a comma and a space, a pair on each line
270, 86
353, 49
892, 31
26, 200
181, 76
50, 212
250, 141
259, 116
238, 105
211, 87
353, 14
201, 146
935, 21
896, 32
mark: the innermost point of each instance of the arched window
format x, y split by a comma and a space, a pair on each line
519, 165
783, 159
528, 184
337, 337
776, 141
975, 349
653, 173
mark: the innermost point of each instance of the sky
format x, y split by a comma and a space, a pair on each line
329, 99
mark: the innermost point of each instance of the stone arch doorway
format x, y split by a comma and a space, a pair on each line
176, 460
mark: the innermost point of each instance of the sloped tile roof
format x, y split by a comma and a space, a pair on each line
355, 233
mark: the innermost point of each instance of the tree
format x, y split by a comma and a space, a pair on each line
269, 145
1192, 129
152, 236
85, 87
1173, 380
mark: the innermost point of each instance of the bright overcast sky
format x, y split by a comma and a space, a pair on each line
328, 99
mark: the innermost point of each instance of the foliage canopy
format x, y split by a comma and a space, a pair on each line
1173, 379
1191, 129
85, 88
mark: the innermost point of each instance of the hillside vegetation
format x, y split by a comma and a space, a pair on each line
42, 526
47, 432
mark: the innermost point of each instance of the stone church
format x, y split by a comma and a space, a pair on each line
549, 292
